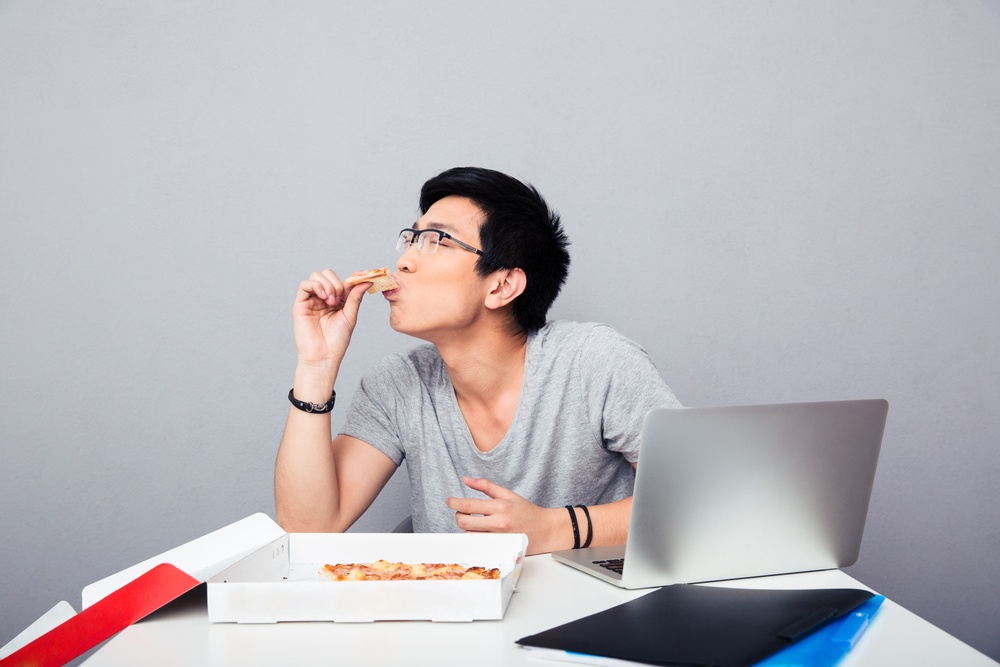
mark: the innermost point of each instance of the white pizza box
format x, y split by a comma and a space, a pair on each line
281, 580
256, 572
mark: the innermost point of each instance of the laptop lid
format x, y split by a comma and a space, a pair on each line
744, 491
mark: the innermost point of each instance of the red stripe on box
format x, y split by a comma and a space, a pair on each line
104, 618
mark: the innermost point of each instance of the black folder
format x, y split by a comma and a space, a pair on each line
692, 625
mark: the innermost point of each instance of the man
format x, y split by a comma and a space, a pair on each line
507, 423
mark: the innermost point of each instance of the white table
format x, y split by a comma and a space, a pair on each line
548, 594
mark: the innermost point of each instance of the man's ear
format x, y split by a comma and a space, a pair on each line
507, 285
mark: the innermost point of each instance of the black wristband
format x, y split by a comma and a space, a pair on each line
590, 526
316, 408
576, 527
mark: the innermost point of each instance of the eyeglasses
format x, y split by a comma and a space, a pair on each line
427, 241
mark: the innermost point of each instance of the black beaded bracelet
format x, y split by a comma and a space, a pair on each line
316, 408
590, 526
576, 527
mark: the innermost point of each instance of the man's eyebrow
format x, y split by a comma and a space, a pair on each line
437, 225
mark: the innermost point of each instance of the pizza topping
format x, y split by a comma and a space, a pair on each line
382, 570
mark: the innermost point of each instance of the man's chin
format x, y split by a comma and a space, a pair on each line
400, 327
396, 323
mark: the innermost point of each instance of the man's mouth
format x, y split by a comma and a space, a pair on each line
390, 292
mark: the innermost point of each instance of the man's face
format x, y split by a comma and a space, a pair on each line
440, 294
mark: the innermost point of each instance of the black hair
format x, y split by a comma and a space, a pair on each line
519, 232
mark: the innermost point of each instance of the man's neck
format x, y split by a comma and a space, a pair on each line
485, 365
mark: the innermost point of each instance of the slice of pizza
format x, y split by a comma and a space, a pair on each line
382, 570
379, 278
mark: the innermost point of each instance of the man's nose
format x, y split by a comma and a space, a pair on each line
407, 260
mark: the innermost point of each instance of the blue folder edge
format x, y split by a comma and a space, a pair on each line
828, 645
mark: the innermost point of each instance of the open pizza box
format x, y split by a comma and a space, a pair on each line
258, 573
281, 582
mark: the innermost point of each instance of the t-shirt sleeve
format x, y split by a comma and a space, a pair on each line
621, 384
372, 416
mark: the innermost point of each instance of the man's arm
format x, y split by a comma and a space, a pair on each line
321, 483
548, 529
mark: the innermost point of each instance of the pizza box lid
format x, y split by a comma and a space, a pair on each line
281, 581
115, 602
200, 558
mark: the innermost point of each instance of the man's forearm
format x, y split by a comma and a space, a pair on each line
305, 480
306, 493
608, 525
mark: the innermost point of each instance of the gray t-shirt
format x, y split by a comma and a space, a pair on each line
574, 435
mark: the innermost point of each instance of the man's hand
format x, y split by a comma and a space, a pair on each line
506, 512
323, 316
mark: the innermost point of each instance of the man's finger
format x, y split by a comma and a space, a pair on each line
473, 523
486, 486
470, 505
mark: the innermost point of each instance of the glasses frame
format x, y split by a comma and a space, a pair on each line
401, 243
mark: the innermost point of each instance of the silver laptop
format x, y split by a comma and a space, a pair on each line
745, 491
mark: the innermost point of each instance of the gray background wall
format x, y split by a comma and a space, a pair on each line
813, 187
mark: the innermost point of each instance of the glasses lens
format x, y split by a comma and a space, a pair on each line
428, 241
404, 240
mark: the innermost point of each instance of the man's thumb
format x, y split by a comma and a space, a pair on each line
353, 302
